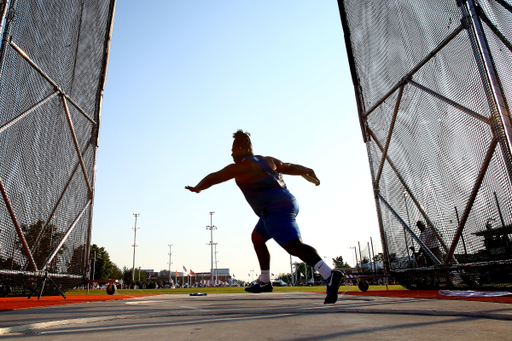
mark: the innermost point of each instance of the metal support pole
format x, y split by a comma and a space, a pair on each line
471, 199
499, 210
426, 250
355, 252
93, 265
373, 252
501, 124
211, 227
383, 238
408, 220
136, 215
360, 256
216, 267
370, 256
170, 253
462, 234
9, 12
306, 273
21, 236
291, 270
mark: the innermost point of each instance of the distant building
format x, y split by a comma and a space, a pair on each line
221, 277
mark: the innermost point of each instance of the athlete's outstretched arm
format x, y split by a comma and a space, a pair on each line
225, 174
294, 169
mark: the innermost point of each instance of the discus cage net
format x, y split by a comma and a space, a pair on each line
53, 61
433, 85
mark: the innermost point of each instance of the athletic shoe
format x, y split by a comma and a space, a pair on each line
260, 287
333, 284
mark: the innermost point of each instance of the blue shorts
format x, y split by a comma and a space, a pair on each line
277, 221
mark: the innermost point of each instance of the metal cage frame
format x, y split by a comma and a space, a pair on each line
75, 193
399, 192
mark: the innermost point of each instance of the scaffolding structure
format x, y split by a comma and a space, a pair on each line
433, 85
53, 62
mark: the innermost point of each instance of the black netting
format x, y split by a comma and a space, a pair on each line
431, 65
52, 70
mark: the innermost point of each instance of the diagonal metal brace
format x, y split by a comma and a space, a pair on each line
416, 238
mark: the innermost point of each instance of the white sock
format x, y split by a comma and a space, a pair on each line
265, 276
323, 269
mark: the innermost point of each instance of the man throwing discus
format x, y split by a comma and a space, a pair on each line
260, 179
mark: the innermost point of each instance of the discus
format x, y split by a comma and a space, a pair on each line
311, 179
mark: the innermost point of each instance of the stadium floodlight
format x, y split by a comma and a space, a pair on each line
211, 227
136, 215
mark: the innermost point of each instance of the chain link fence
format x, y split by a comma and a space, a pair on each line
433, 83
53, 61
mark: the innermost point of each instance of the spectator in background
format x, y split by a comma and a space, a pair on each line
428, 237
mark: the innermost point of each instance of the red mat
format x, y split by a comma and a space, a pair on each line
15, 303
432, 294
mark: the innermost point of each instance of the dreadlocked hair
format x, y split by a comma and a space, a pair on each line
242, 138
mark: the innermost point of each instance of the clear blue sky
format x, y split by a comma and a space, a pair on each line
182, 77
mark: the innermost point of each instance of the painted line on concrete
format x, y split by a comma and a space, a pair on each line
140, 302
43, 325
193, 308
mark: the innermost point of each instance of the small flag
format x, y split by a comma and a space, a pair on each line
272, 274
184, 268
192, 272
177, 274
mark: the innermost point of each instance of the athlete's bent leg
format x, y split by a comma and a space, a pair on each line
260, 246
310, 256
306, 253
261, 249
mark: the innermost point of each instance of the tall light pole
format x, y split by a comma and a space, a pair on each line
170, 253
136, 215
355, 252
211, 228
291, 269
405, 194
216, 265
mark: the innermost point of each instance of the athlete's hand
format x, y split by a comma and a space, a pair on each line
311, 177
192, 189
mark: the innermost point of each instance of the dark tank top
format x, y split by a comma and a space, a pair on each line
267, 191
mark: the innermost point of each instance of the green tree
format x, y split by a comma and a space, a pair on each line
339, 263
103, 266
8, 263
127, 276
378, 258
116, 273
76, 264
286, 278
301, 272
49, 238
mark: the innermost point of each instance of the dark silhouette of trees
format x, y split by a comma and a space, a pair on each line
103, 266
48, 241
339, 263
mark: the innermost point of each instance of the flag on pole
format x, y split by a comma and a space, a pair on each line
192, 272
184, 268
177, 274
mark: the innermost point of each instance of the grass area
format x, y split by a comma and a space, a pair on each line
223, 290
